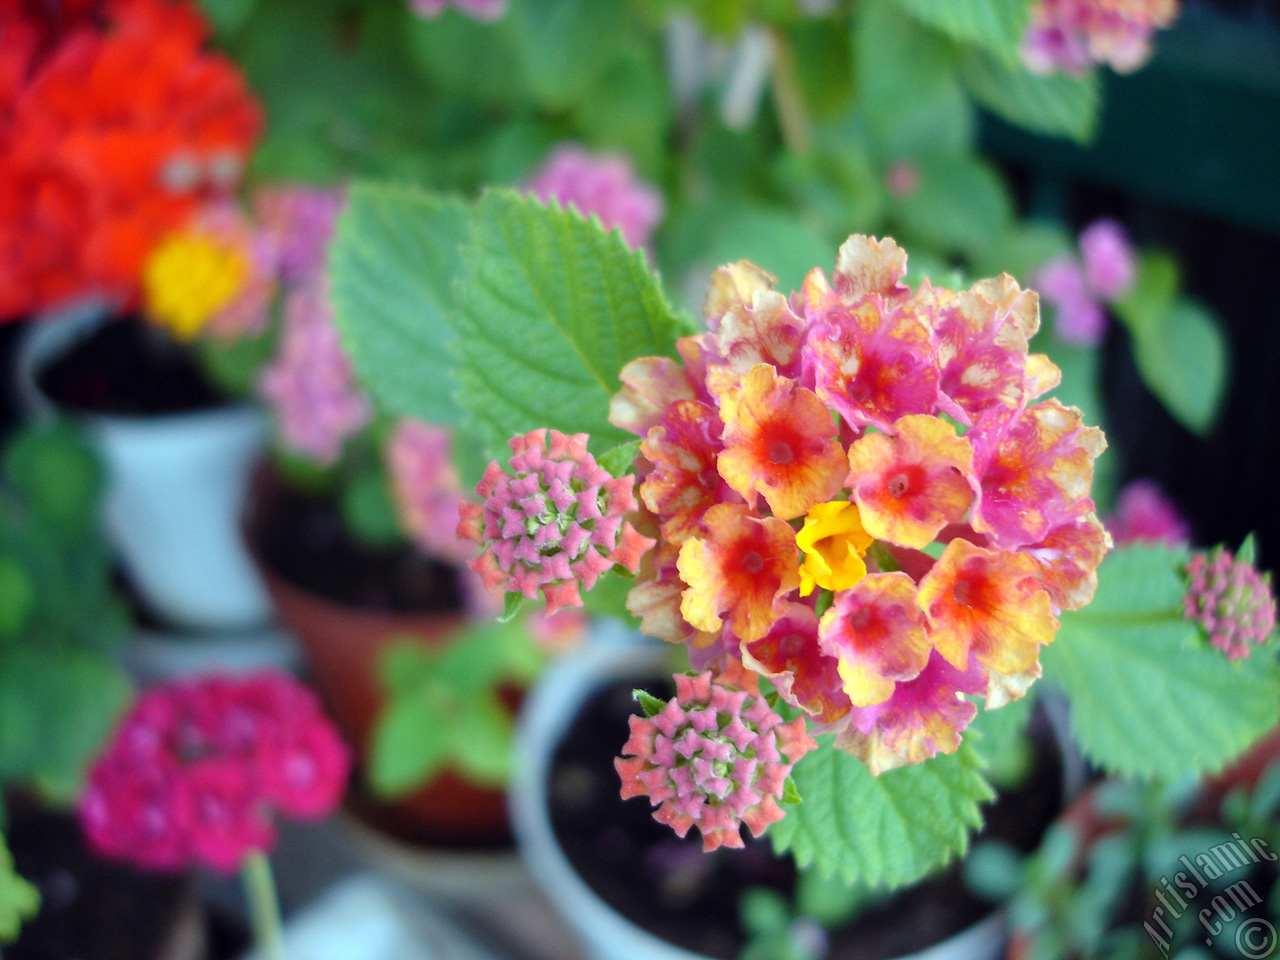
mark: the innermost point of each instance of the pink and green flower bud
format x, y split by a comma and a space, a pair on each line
1230, 600
553, 523
715, 756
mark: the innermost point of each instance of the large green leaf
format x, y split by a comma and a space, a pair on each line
567, 46
1058, 105
1149, 695
1183, 360
961, 205
19, 900
908, 88
996, 24
550, 308
888, 830
393, 263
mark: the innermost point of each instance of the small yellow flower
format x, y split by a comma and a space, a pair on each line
189, 278
833, 543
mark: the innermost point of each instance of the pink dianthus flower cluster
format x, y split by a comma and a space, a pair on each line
1072, 35
197, 769
1080, 287
604, 186
886, 451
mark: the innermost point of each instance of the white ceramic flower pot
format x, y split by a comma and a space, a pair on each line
550, 709
175, 484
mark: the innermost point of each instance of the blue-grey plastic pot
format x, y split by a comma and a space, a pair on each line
549, 710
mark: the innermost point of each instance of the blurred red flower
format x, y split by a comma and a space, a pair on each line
116, 123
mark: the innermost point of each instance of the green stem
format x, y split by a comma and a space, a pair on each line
264, 907
793, 115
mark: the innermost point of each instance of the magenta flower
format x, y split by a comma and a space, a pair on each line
426, 487
1072, 35
485, 10
1145, 515
604, 185
1078, 287
716, 757
300, 221
197, 770
310, 383
555, 522
1230, 600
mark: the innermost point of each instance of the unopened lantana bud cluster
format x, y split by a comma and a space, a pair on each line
198, 770
862, 495
716, 756
1230, 600
553, 523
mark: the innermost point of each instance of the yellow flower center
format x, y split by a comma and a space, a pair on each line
188, 278
833, 543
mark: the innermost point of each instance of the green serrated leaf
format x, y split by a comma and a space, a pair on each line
550, 308
651, 705
1057, 105
393, 262
881, 831
1184, 361
1149, 697
620, 460
998, 25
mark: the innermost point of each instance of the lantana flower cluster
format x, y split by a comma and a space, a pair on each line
116, 125
861, 494
716, 756
1230, 600
1072, 35
197, 771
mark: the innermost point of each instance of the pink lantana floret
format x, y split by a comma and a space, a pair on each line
197, 771
603, 185
1079, 287
300, 222
1072, 35
1231, 601
716, 756
554, 523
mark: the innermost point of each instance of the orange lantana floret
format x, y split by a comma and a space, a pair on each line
988, 603
737, 571
909, 486
780, 443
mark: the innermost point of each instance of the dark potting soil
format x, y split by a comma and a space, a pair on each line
90, 909
668, 886
126, 368
302, 538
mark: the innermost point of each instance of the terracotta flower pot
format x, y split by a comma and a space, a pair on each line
342, 645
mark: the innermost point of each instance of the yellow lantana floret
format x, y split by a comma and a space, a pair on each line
189, 278
833, 543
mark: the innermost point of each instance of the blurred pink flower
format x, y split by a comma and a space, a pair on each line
310, 383
1072, 35
299, 222
427, 489
197, 768
600, 184
486, 10
1145, 515
1079, 286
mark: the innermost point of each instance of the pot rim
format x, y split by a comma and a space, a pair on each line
51, 335
614, 651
